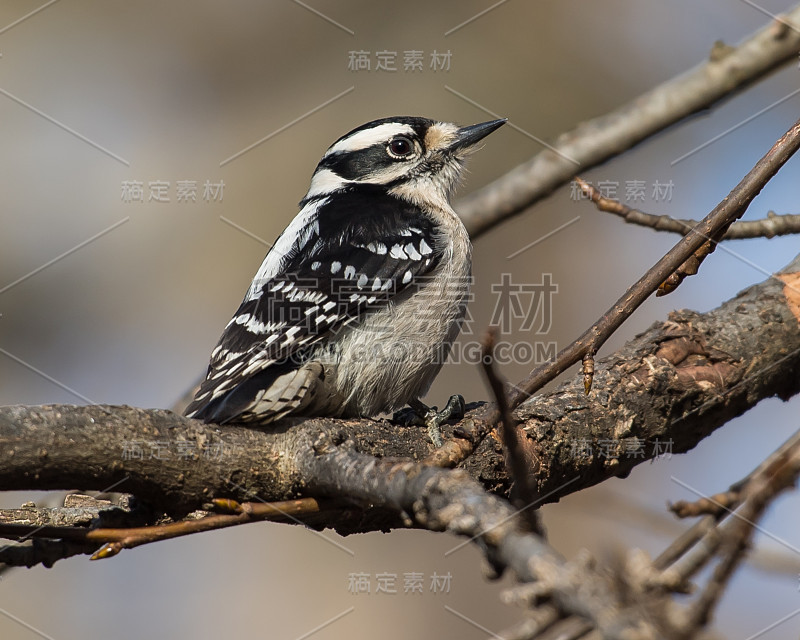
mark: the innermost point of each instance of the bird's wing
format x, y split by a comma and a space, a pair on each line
351, 261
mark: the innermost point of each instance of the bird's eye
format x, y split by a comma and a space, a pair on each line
400, 147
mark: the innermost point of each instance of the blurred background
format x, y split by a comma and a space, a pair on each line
149, 150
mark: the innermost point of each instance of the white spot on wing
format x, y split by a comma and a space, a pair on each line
424, 249
335, 266
397, 252
412, 252
377, 247
407, 277
349, 272
362, 281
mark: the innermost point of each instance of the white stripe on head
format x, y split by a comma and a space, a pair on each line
368, 137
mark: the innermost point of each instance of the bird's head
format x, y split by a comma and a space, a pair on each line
413, 158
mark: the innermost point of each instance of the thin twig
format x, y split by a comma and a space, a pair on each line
114, 540
722, 508
728, 530
716, 504
729, 209
771, 226
780, 474
607, 136
519, 465
684, 542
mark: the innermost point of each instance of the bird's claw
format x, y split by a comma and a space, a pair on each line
431, 417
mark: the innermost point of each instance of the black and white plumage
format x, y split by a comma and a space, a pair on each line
355, 307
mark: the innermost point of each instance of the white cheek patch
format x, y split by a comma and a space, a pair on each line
388, 174
369, 137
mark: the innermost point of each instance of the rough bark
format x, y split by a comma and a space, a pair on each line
677, 382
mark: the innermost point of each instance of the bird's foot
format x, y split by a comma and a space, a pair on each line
431, 417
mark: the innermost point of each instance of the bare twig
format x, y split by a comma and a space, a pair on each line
521, 468
114, 540
726, 531
771, 226
714, 505
683, 543
729, 209
778, 474
601, 138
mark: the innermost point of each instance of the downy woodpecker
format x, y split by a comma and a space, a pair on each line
355, 308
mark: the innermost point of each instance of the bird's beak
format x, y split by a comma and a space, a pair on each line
468, 136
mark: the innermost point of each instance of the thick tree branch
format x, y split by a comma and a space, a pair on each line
445, 500
671, 386
729, 69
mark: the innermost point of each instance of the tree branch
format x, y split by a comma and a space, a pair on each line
728, 70
769, 227
695, 371
670, 386
670, 270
